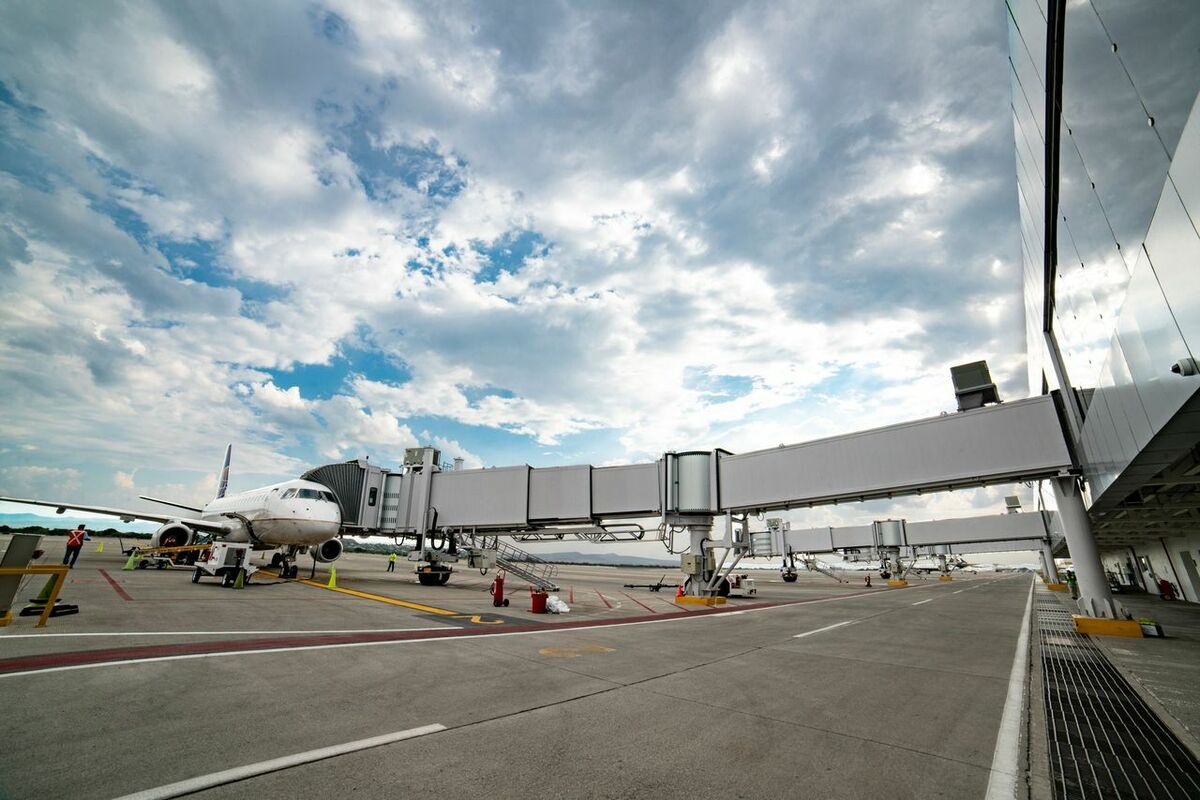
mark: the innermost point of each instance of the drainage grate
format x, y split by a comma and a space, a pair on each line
1105, 742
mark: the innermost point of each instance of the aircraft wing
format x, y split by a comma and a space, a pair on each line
126, 515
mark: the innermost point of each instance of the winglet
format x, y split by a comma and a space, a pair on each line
223, 480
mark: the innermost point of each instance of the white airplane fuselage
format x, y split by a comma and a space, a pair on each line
290, 514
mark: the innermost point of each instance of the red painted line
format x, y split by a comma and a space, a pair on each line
116, 586
572, 600
606, 603
25, 663
640, 603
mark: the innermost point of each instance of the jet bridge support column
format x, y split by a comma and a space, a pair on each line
1048, 567
1095, 598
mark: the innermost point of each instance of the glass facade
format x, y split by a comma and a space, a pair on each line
1125, 255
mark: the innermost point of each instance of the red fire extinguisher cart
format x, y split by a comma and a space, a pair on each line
497, 591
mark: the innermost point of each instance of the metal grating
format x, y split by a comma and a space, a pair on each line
1105, 742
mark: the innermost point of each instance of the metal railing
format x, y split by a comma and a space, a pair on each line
518, 562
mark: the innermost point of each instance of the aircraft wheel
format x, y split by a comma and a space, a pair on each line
196, 575
276, 559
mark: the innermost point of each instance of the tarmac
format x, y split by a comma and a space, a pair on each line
812, 689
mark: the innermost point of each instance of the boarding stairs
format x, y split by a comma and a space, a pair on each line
518, 562
813, 564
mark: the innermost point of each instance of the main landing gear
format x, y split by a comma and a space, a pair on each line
433, 575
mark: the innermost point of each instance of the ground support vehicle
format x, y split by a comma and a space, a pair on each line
225, 560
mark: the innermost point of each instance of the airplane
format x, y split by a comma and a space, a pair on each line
295, 515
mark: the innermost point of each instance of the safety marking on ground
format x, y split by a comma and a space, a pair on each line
444, 612
1002, 780
574, 652
960, 591
478, 619
640, 603
826, 628
209, 633
606, 603
923, 602
116, 586
24, 666
226, 776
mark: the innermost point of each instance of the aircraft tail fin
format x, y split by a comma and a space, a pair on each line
223, 478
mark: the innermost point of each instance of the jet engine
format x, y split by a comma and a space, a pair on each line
329, 550
173, 534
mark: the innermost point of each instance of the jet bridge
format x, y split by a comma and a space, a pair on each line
688, 491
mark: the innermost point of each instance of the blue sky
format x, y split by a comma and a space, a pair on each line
545, 233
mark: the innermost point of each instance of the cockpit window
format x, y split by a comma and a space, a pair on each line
310, 494
328, 496
289, 494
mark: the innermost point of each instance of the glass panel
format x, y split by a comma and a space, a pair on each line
1185, 169
1174, 251
1152, 342
1159, 49
1121, 153
1029, 37
1126, 393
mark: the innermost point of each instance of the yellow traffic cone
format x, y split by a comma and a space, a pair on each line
100, 547
44, 595
240, 581
332, 578
129, 565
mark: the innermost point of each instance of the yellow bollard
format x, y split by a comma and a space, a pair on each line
332, 578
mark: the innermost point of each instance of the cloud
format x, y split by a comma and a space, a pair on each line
335, 230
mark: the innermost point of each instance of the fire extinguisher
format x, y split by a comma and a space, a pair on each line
497, 591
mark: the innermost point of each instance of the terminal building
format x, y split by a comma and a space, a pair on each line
1108, 171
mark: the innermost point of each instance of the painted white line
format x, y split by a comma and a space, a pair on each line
921, 602
826, 628
960, 591
225, 776
223, 633
1002, 781
155, 659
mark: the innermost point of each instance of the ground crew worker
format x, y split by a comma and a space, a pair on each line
868, 580
391, 562
74, 544
1073, 585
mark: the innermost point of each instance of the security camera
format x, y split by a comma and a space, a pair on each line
1185, 367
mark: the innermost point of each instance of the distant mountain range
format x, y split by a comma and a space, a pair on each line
66, 522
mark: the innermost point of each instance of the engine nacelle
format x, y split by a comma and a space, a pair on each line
173, 534
329, 550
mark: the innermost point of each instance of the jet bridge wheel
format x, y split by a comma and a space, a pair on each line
790, 577
443, 579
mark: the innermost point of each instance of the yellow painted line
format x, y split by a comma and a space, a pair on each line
389, 600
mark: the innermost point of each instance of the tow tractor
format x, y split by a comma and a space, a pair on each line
224, 560
742, 585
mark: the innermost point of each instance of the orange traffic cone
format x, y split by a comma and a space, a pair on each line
679, 590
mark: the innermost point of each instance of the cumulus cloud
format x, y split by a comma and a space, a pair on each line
333, 230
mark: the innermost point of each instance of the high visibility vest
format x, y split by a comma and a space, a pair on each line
75, 538
392, 558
